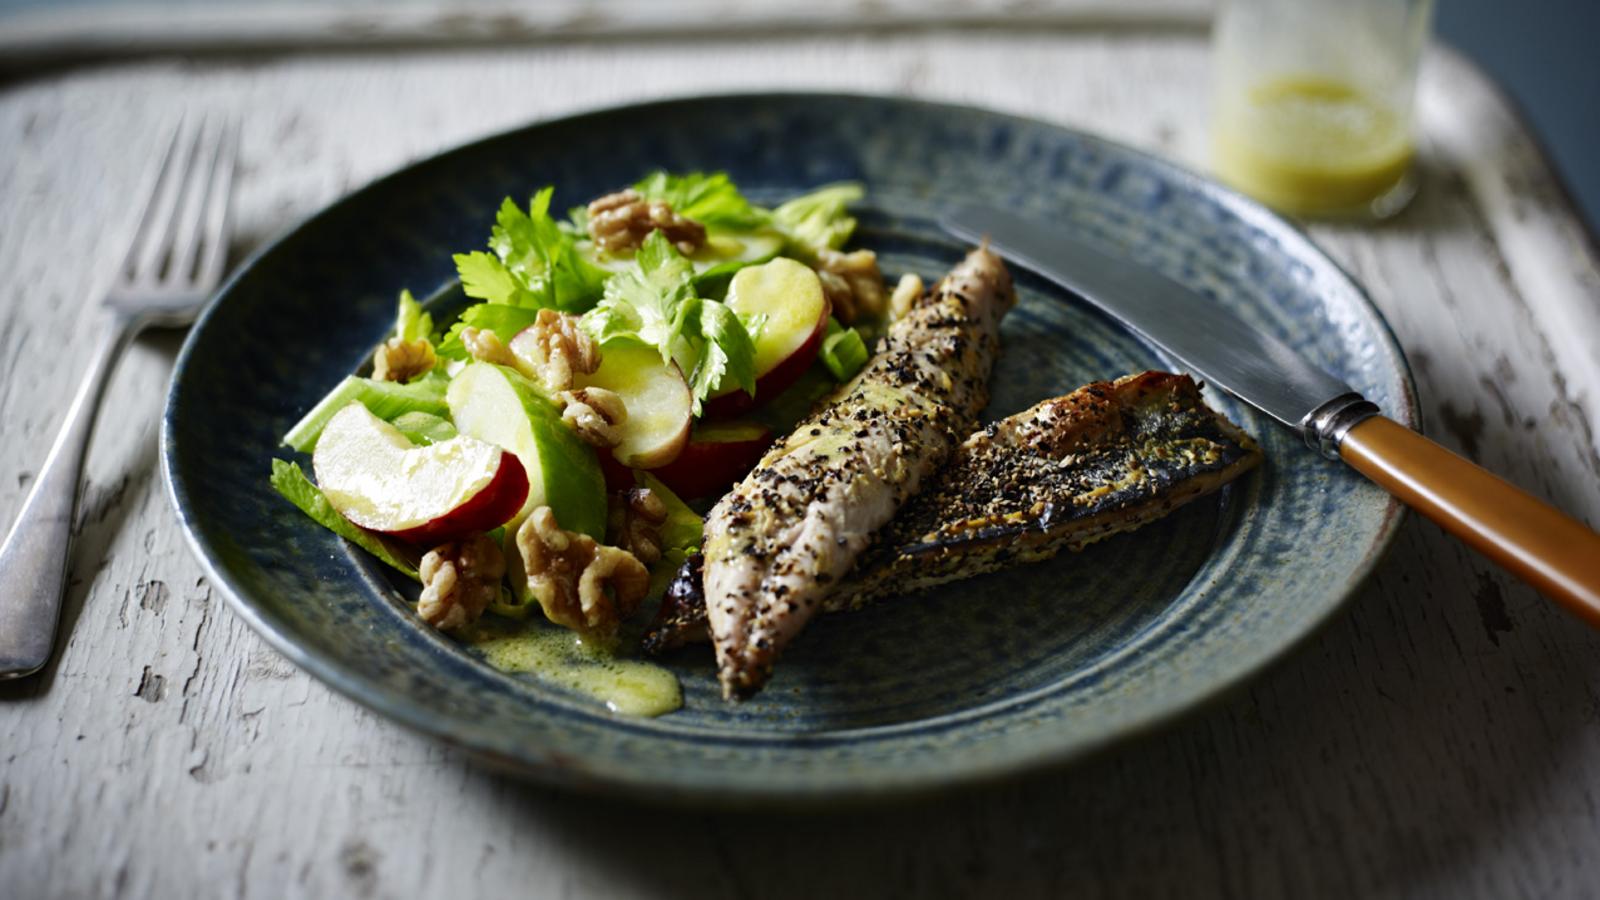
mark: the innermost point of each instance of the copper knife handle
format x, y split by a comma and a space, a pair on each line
1533, 540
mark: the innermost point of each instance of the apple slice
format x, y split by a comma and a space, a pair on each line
379, 480
659, 404
716, 456
495, 404
789, 294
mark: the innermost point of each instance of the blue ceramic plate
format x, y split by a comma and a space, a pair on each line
983, 678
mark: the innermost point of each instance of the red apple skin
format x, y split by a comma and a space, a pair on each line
774, 381
709, 468
489, 508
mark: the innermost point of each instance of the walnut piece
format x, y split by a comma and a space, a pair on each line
486, 346
620, 222
459, 581
397, 360
579, 583
852, 282
596, 414
560, 350
906, 294
633, 522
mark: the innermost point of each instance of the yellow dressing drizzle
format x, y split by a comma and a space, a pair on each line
628, 686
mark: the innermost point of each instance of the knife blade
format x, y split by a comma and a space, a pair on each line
1206, 337
1538, 543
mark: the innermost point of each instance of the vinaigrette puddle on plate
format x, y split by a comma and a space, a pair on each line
560, 657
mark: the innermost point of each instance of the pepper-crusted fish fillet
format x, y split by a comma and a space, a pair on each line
1107, 458
779, 541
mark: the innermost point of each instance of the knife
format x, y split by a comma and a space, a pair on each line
1543, 546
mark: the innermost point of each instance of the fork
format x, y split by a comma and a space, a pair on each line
176, 261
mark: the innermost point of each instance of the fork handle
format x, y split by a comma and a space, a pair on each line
33, 560
1536, 542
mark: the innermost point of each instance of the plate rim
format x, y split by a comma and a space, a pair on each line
396, 706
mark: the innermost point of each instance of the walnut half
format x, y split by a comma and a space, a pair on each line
596, 414
397, 360
620, 222
483, 344
560, 350
459, 581
853, 283
579, 583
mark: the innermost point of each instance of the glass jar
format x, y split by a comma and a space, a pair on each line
1312, 102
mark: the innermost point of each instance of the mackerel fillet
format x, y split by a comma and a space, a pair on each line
778, 543
1102, 460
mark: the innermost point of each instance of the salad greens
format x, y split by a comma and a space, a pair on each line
655, 304
819, 220
710, 199
656, 297
534, 264
504, 321
293, 484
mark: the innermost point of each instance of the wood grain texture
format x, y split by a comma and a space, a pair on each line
1441, 739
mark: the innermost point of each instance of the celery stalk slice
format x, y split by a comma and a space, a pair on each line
388, 400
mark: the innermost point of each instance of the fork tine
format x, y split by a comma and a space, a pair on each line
154, 184
214, 242
155, 236
186, 236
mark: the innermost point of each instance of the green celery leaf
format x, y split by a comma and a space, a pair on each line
711, 199
485, 277
614, 319
504, 321
818, 220
727, 354
535, 262
293, 484
643, 301
754, 324
654, 302
544, 257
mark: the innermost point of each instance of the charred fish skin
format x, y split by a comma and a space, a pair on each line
1105, 459
778, 543
1108, 458
681, 618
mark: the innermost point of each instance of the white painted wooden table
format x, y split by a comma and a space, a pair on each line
1440, 739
